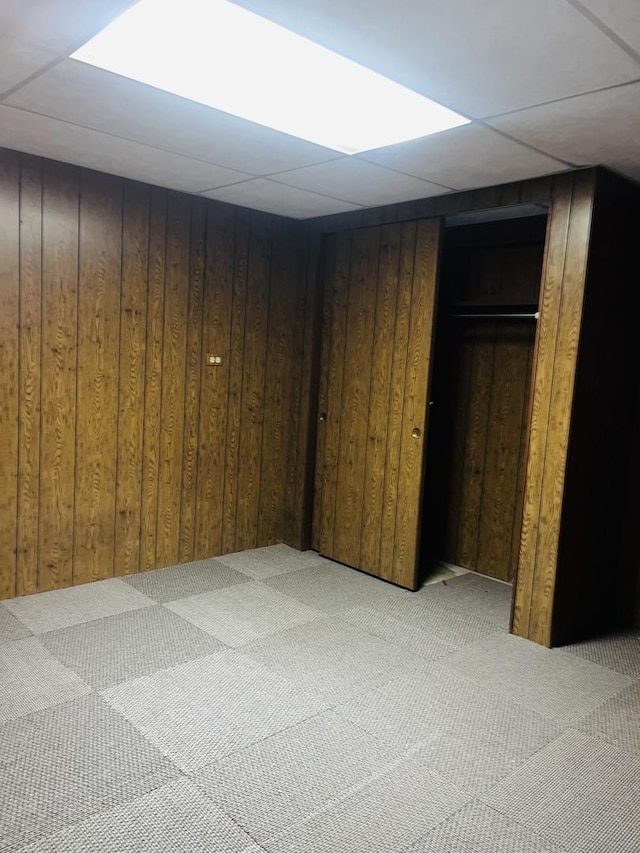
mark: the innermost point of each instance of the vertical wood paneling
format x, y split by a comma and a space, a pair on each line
60, 201
477, 425
194, 360
503, 451
396, 398
153, 378
234, 397
336, 296
355, 394
100, 253
383, 308
123, 450
214, 389
416, 390
381, 367
552, 492
282, 366
133, 331
30, 360
176, 292
545, 348
326, 271
253, 384
9, 367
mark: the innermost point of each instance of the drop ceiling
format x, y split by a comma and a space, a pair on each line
548, 84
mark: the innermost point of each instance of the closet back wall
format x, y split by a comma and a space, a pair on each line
121, 449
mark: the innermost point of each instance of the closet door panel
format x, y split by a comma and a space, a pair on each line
374, 390
356, 388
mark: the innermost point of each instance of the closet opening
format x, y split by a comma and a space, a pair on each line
479, 405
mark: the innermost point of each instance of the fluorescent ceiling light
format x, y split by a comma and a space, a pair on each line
226, 57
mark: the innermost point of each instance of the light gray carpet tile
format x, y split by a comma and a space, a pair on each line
331, 659
331, 587
32, 679
261, 563
579, 793
475, 595
409, 637
242, 613
10, 628
61, 608
476, 828
183, 581
388, 813
417, 610
471, 735
620, 652
552, 682
617, 720
64, 764
129, 645
177, 817
280, 781
204, 710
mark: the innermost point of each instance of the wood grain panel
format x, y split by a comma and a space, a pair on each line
100, 253
416, 391
542, 380
192, 383
176, 292
9, 367
326, 271
337, 296
132, 453
567, 342
475, 444
381, 366
354, 408
60, 201
153, 378
502, 462
30, 360
282, 366
396, 401
216, 334
234, 397
253, 383
133, 330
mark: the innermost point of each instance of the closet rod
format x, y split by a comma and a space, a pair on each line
502, 316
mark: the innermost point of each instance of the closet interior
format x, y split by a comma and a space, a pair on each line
479, 403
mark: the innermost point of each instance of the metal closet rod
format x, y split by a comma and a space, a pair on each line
505, 315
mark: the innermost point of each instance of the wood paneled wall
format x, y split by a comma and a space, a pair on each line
571, 197
476, 456
598, 564
121, 449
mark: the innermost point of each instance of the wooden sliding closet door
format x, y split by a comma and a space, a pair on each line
376, 356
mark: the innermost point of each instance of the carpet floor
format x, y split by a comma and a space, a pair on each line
272, 701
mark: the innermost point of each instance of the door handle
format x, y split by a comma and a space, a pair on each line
416, 432
322, 417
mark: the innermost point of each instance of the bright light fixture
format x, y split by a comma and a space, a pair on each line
226, 57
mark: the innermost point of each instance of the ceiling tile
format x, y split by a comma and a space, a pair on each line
465, 157
478, 58
600, 128
621, 16
103, 101
359, 182
58, 25
263, 194
61, 141
19, 60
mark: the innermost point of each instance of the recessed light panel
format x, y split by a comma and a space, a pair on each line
226, 57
